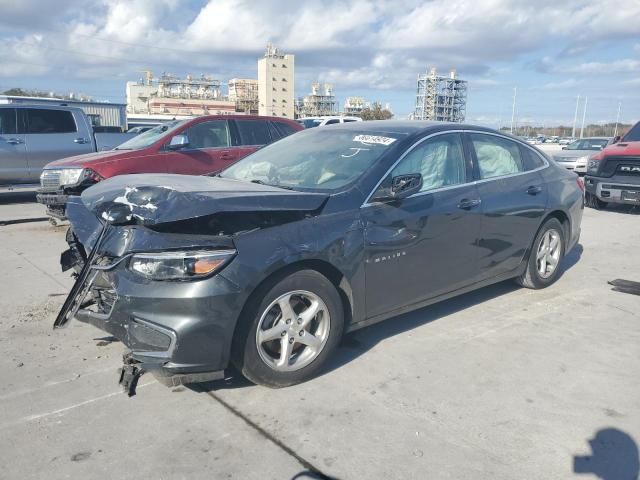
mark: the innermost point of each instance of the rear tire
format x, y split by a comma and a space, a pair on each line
290, 328
543, 266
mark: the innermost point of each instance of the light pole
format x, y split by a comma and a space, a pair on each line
575, 118
615, 132
584, 115
513, 109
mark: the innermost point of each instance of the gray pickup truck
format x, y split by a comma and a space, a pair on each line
33, 135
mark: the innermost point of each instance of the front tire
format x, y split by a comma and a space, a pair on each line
291, 327
595, 203
543, 266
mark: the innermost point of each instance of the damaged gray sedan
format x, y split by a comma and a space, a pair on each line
267, 264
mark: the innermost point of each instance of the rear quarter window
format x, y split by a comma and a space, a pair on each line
530, 160
49, 121
284, 128
253, 132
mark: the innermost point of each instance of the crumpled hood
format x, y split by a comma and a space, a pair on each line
159, 198
89, 159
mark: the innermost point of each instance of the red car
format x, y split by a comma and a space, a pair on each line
198, 146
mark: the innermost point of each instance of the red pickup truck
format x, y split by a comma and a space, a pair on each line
197, 146
613, 174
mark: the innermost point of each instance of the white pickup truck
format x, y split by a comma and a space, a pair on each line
33, 135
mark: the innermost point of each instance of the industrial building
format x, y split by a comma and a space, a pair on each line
276, 83
173, 96
355, 105
103, 115
244, 92
442, 99
321, 101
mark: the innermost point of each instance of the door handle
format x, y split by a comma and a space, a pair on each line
534, 189
226, 154
80, 140
468, 204
15, 141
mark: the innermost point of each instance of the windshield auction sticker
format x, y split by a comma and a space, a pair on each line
373, 140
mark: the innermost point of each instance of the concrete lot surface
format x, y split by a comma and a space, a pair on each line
502, 383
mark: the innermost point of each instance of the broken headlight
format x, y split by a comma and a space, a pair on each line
183, 265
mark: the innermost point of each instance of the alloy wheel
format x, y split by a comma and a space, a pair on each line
549, 251
293, 330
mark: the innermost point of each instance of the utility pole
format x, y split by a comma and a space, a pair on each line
584, 115
615, 132
575, 118
513, 109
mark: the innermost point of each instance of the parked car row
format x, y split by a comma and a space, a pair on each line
198, 146
265, 265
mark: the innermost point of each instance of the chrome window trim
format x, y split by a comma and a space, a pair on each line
545, 162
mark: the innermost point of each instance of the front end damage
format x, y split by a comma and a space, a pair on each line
179, 329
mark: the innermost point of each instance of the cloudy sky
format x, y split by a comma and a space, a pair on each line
551, 50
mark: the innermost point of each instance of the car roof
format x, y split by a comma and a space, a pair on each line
40, 106
410, 126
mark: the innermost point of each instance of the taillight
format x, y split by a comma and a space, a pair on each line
580, 182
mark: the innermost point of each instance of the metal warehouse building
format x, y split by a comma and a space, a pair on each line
105, 115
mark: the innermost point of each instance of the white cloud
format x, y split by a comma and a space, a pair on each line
561, 85
625, 65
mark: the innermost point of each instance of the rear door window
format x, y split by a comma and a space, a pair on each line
253, 132
7, 121
497, 156
40, 120
211, 134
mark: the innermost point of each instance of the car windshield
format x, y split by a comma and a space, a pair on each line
310, 122
316, 159
633, 135
588, 144
150, 136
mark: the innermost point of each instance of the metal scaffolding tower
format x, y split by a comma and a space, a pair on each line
443, 99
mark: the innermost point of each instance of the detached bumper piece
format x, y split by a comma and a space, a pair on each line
130, 373
55, 203
82, 285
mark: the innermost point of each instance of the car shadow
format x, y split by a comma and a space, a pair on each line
359, 342
614, 456
7, 198
622, 209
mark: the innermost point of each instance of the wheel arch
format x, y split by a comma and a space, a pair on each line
333, 274
564, 220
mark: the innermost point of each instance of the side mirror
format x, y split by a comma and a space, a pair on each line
400, 186
616, 139
178, 141
564, 148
